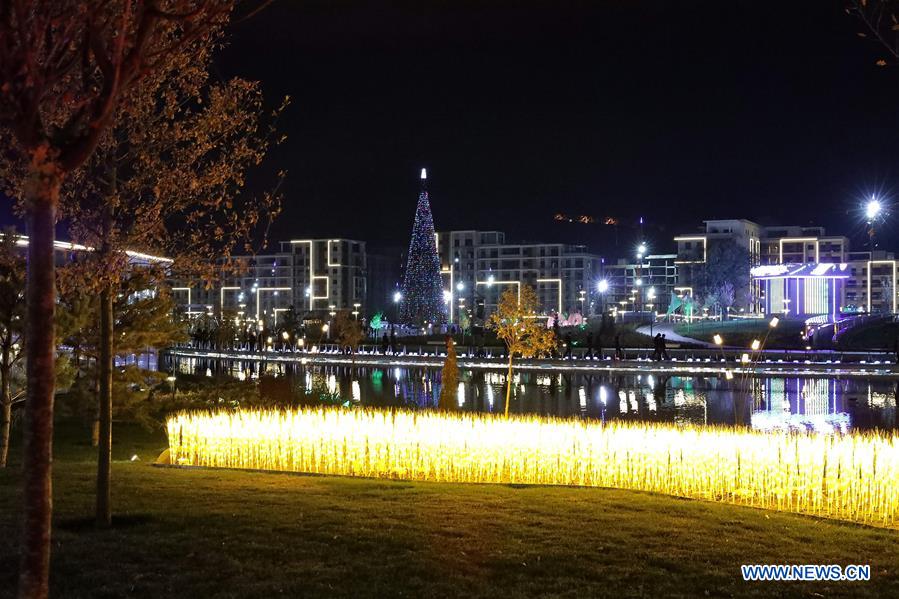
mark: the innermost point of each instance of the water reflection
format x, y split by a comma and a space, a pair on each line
768, 404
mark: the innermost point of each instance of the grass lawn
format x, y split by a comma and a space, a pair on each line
740, 333
200, 533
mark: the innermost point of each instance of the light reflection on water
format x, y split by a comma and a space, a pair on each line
781, 403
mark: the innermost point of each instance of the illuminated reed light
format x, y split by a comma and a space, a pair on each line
852, 477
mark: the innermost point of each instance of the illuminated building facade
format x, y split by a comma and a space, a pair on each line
315, 276
802, 290
479, 265
791, 246
650, 280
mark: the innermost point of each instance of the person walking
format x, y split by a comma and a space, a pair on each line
385, 344
567, 346
619, 354
589, 345
657, 347
663, 348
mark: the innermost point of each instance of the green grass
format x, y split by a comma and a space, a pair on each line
740, 333
200, 533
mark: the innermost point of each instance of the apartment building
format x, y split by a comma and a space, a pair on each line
777, 245
645, 285
478, 266
314, 276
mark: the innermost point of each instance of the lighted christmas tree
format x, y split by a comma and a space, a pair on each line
422, 288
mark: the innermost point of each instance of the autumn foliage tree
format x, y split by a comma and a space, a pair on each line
12, 313
67, 67
449, 379
348, 331
516, 322
167, 179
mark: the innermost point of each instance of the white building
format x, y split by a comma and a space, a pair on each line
479, 265
793, 245
314, 276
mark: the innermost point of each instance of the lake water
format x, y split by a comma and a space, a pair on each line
764, 403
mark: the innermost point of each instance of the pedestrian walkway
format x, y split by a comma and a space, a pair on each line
667, 329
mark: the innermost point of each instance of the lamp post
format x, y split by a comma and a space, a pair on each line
397, 298
873, 210
331, 313
641, 251
172, 380
602, 287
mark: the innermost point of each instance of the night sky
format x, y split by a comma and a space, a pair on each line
676, 111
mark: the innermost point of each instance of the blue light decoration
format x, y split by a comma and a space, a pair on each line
422, 297
802, 290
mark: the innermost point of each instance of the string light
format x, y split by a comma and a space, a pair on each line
852, 477
422, 296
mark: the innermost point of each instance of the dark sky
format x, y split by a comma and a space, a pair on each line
676, 111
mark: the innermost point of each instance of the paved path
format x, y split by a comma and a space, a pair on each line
667, 329
686, 362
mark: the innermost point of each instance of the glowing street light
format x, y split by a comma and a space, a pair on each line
602, 286
773, 322
460, 286
873, 208
447, 295
756, 344
397, 297
641, 249
717, 339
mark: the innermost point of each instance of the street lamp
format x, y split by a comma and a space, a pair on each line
460, 286
873, 208
397, 298
602, 287
873, 211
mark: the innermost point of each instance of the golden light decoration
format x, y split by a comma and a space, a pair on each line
851, 477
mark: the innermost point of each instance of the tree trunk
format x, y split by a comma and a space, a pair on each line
509, 384
42, 194
5, 404
104, 452
5, 424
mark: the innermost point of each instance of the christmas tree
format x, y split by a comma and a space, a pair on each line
422, 288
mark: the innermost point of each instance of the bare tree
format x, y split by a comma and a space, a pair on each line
880, 19
66, 68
